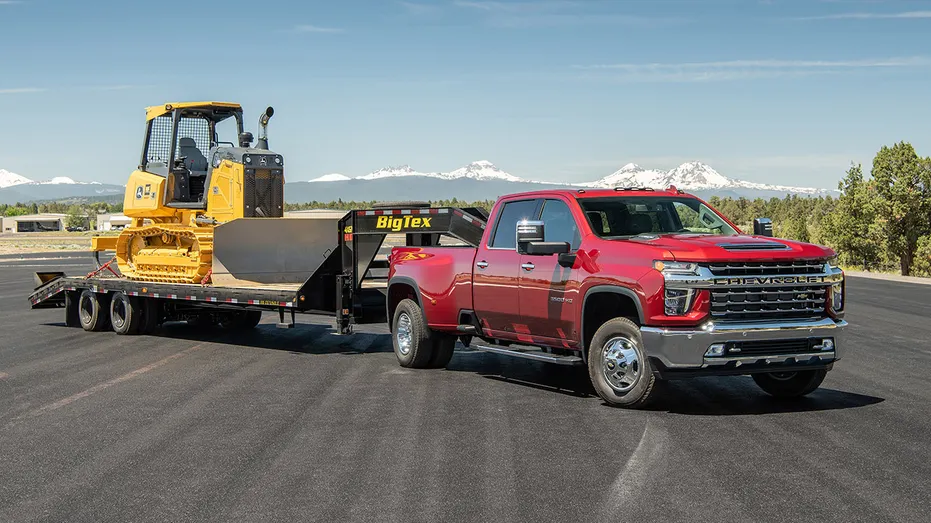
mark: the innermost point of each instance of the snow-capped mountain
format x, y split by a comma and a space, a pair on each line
332, 177
480, 170
9, 179
690, 176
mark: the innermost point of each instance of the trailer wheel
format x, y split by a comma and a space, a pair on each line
72, 311
617, 366
151, 315
125, 313
414, 343
93, 310
789, 385
240, 320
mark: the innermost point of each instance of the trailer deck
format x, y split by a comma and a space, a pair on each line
349, 284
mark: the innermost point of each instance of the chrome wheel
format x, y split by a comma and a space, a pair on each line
403, 334
621, 364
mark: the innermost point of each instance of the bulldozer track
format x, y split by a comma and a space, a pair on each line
167, 253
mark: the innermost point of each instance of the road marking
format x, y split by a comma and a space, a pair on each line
636, 471
3, 375
106, 385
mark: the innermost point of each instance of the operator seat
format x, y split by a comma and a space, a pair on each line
194, 160
197, 165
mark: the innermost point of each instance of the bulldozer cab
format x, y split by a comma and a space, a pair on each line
181, 141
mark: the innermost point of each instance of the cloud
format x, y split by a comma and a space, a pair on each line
913, 15
307, 28
19, 90
742, 69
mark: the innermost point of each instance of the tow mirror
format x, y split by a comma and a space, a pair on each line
530, 235
763, 227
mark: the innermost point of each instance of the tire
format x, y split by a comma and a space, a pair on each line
240, 320
443, 347
125, 314
790, 385
72, 313
93, 311
414, 343
401, 205
151, 315
634, 388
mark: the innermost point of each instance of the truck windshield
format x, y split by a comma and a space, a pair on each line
631, 216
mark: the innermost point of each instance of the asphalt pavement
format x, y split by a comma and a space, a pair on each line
305, 425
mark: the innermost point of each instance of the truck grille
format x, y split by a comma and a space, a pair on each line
767, 268
775, 303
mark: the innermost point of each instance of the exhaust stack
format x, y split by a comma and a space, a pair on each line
263, 129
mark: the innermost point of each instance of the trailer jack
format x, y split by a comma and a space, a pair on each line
282, 324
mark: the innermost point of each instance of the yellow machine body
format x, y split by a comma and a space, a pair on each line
188, 182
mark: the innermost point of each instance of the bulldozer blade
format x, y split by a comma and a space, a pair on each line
256, 251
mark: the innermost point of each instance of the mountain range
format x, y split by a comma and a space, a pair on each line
481, 180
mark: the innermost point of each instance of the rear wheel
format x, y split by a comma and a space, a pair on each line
72, 313
240, 320
415, 344
151, 315
125, 313
93, 310
617, 366
787, 385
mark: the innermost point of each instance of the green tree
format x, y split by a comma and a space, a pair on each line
75, 217
849, 227
902, 183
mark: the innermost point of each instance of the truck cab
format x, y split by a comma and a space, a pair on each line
641, 286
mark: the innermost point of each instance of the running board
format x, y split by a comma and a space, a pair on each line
537, 355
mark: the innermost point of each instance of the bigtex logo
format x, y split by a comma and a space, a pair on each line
397, 224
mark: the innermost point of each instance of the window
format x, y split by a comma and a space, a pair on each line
630, 216
559, 225
506, 229
159, 147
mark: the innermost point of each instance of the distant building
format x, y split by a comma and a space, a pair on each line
34, 223
110, 222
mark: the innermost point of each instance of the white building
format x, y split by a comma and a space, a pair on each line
109, 222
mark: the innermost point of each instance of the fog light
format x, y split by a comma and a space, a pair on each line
826, 344
716, 349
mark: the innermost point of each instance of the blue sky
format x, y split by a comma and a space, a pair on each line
773, 91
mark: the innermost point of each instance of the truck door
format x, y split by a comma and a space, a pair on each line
496, 272
549, 292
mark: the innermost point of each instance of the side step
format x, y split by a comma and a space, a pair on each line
529, 354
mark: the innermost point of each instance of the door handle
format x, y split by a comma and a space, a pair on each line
482, 264
527, 267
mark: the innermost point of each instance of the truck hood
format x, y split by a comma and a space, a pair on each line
703, 247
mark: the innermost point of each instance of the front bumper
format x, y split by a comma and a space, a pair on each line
683, 350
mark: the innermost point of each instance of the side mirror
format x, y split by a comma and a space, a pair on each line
245, 139
763, 227
530, 236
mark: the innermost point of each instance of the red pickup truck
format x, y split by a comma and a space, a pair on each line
639, 285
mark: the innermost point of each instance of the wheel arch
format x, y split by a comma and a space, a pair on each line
399, 288
602, 303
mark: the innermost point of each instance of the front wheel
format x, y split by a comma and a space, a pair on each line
787, 385
618, 367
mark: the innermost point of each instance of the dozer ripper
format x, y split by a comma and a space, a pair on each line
190, 181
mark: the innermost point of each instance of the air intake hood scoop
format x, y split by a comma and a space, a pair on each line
758, 245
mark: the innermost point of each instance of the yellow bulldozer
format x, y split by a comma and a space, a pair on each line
198, 170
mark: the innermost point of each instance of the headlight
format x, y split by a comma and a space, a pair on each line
678, 301
832, 262
837, 297
672, 267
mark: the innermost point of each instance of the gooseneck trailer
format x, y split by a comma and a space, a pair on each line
324, 265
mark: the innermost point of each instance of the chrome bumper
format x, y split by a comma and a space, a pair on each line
686, 349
